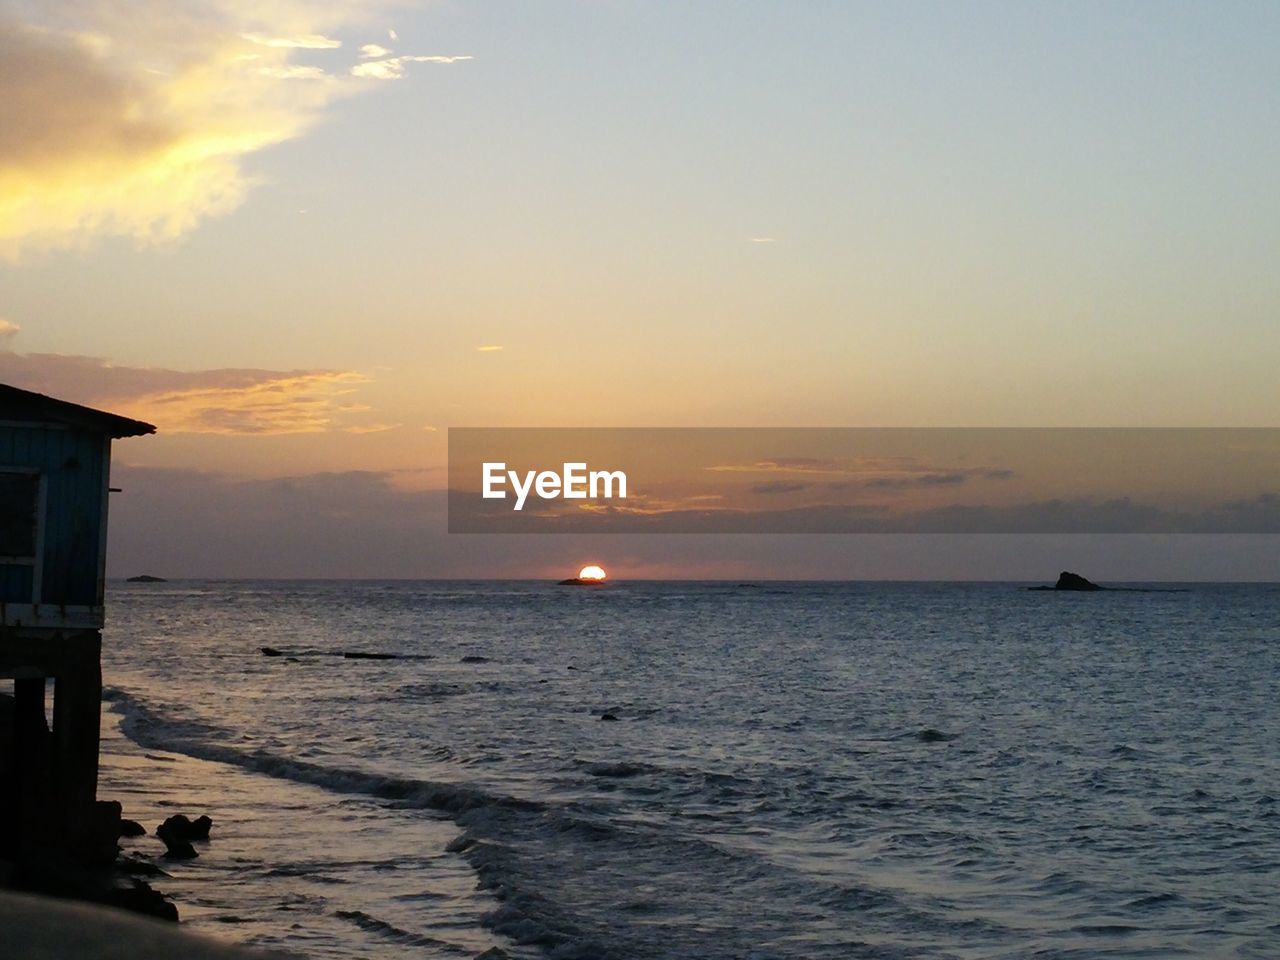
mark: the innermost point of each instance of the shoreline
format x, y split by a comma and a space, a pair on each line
290, 865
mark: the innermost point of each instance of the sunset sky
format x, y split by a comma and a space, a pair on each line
304, 239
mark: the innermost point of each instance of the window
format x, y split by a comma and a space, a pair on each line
19, 509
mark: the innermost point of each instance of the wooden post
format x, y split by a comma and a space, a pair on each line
31, 765
77, 706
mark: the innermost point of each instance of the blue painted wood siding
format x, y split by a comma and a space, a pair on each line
73, 463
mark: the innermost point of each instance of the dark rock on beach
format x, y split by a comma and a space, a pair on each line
139, 897
146, 578
132, 828
136, 866
116, 885
100, 847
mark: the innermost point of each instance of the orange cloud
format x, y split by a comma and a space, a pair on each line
288, 403
228, 401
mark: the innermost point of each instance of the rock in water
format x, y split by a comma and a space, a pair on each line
146, 578
179, 849
177, 832
1073, 581
930, 735
181, 829
132, 828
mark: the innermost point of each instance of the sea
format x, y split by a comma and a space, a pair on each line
721, 771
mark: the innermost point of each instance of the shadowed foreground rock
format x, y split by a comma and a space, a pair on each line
37, 928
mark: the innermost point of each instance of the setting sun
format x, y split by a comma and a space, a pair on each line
592, 573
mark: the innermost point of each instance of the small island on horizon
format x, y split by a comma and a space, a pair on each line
1072, 581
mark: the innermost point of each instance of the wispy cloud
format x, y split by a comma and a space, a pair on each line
371, 51
293, 72
310, 41
778, 487
134, 118
8, 330
875, 473
764, 240
305, 402
393, 68
783, 465
490, 348
371, 427
226, 401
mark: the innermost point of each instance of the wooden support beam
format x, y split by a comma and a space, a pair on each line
55, 773
77, 708
30, 768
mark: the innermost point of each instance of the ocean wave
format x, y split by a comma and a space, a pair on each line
522, 914
391, 932
442, 689
204, 741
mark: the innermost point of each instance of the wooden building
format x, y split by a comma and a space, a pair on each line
55, 461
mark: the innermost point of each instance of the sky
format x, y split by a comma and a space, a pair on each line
306, 238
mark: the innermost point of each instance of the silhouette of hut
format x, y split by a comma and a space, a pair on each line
54, 474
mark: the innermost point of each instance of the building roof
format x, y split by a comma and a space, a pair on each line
25, 406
